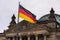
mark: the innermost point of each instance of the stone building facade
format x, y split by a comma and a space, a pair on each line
46, 28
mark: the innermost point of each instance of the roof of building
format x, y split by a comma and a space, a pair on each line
46, 18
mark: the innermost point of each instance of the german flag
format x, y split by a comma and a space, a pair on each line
26, 15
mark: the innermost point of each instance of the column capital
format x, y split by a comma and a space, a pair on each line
36, 34
28, 35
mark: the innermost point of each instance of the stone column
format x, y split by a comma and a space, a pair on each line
44, 37
53, 36
36, 37
13, 38
28, 37
20, 37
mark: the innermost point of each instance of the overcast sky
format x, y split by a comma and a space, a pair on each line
37, 7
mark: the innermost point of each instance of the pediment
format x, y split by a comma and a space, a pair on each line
25, 26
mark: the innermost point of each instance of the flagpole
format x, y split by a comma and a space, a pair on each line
17, 35
18, 13
18, 18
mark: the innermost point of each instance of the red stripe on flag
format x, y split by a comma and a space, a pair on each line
27, 14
